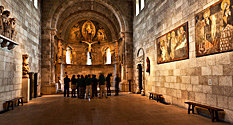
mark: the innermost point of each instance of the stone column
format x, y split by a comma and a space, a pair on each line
47, 61
128, 39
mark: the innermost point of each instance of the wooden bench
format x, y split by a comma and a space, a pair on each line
158, 96
213, 111
10, 103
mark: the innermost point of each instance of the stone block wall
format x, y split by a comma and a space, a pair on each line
28, 37
207, 79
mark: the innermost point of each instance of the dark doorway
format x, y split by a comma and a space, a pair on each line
31, 77
35, 85
140, 76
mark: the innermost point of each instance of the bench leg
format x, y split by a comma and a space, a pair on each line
189, 109
211, 114
193, 107
8, 106
12, 105
216, 115
18, 102
22, 102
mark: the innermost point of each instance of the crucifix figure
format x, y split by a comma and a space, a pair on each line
89, 46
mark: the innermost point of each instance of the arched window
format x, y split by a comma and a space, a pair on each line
89, 62
36, 3
68, 55
142, 4
108, 56
137, 7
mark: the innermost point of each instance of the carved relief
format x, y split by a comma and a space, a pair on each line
26, 68
6, 23
1, 20
12, 26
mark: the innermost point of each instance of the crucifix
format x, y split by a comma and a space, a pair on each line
89, 46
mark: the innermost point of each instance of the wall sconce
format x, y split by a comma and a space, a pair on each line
4, 44
11, 46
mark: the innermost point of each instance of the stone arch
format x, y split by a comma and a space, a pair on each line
53, 18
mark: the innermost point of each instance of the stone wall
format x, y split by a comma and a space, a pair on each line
28, 38
186, 79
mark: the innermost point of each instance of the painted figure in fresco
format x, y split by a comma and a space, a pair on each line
173, 44
89, 32
1, 20
163, 50
168, 46
76, 33
207, 30
213, 28
226, 26
100, 35
182, 41
227, 13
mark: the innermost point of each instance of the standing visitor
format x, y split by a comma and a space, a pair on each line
117, 81
73, 86
102, 85
94, 86
108, 79
67, 85
88, 87
82, 87
78, 82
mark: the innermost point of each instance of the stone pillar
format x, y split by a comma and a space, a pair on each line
128, 62
47, 62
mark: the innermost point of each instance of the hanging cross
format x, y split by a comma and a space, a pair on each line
89, 46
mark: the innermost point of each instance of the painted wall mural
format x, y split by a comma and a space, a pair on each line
173, 45
89, 31
214, 29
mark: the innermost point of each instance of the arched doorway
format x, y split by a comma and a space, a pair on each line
140, 72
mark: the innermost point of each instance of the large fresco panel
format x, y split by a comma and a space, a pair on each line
173, 46
214, 29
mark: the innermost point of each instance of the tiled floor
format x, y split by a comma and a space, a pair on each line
126, 109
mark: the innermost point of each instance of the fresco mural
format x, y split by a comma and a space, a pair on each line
214, 29
173, 45
89, 31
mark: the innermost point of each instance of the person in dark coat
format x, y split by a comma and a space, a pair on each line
108, 79
82, 87
73, 86
117, 82
94, 86
88, 87
102, 85
66, 86
78, 82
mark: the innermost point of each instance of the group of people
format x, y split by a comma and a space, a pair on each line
87, 85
